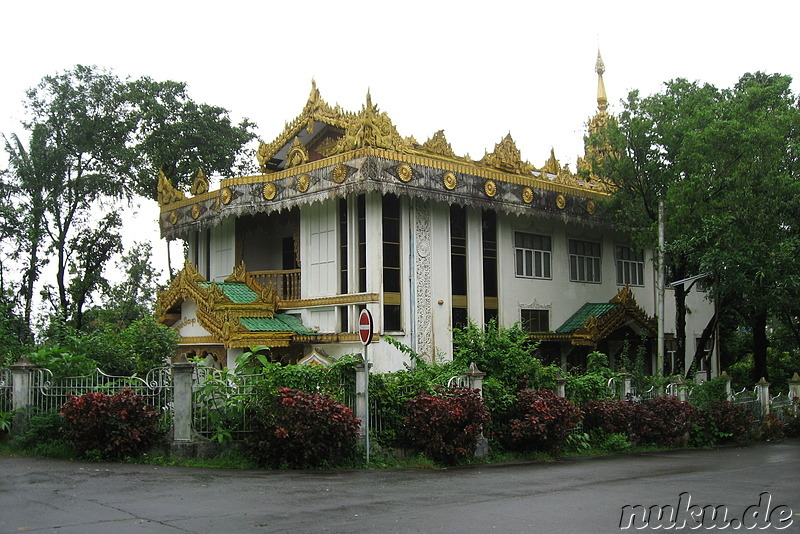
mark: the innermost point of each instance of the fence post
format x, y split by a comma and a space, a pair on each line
361, 395
728, 390
762, 394
680, 388
627, 387
21, 392
561, 385
475, 377
794, 392
182, 375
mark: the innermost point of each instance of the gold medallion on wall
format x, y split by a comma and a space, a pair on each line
490, 188
195, 211
450, 181
527, 195
561, 202
173, 217
591, 207
303, 181
269, 191
405, 172
340, 173
226, 195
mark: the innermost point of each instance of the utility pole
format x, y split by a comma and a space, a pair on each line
661, 283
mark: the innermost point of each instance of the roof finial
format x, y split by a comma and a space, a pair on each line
600, 68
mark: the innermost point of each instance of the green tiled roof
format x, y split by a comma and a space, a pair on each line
279, 323
579, 317
236, 291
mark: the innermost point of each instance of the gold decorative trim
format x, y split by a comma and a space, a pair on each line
173, 217
226, 195
200, 184
303, 182
527, 195
200, 340
298, 154
338, 300
591, 207
490, 188
195, 211
339, 173
331, 338
269, 191
405, 172
561, 201
450, 181
167, 193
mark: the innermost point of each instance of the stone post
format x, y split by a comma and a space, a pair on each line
182, 376
762, 394
561, 385
361, 395
475, 377
627, 386
21, 392
728, 390
679, 385
794, 393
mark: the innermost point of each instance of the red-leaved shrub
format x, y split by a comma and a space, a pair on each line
299, 430
731, 421
664, 421
110, 427
446, 426
542, 420
611, 416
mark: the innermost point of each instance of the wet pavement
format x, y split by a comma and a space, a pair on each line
571, 496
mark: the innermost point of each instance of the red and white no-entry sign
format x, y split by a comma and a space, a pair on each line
365, 327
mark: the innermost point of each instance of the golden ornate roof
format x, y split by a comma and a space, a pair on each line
238, 312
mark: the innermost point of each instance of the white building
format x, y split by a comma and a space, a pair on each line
348, 214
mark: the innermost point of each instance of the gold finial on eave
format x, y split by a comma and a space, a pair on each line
600, 68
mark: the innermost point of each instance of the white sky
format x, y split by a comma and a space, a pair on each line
478, 70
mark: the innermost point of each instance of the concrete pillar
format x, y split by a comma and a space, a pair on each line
679, 388
21, 392
182, 377
627, 386
475, 377
762, 394
794, 393
561, 385
361, 395
728, 390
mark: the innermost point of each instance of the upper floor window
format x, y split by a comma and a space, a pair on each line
630, 266
533, 255
584, 261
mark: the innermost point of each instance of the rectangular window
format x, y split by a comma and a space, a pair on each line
630, 266
535, 320
343, 247
489, 236
533, 255
361, 215
458, 265
391, 263
584, 261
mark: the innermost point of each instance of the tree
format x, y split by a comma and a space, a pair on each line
94, 142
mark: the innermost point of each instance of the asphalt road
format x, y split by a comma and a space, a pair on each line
570, 496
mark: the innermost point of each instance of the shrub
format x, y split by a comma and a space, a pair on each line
300, 430
446, 426
40, 428
772, 428
730, 421
542, 420
111, 426
665, 420
610, 416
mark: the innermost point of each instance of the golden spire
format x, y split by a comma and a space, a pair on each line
600, 68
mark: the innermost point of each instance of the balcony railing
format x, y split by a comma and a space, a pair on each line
286, 282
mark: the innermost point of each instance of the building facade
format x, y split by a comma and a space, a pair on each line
347, 214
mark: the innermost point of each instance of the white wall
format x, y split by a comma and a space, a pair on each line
223, 243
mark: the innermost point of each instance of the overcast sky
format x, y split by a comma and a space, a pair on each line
478, 70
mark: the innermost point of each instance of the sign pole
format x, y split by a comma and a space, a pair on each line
365, 334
